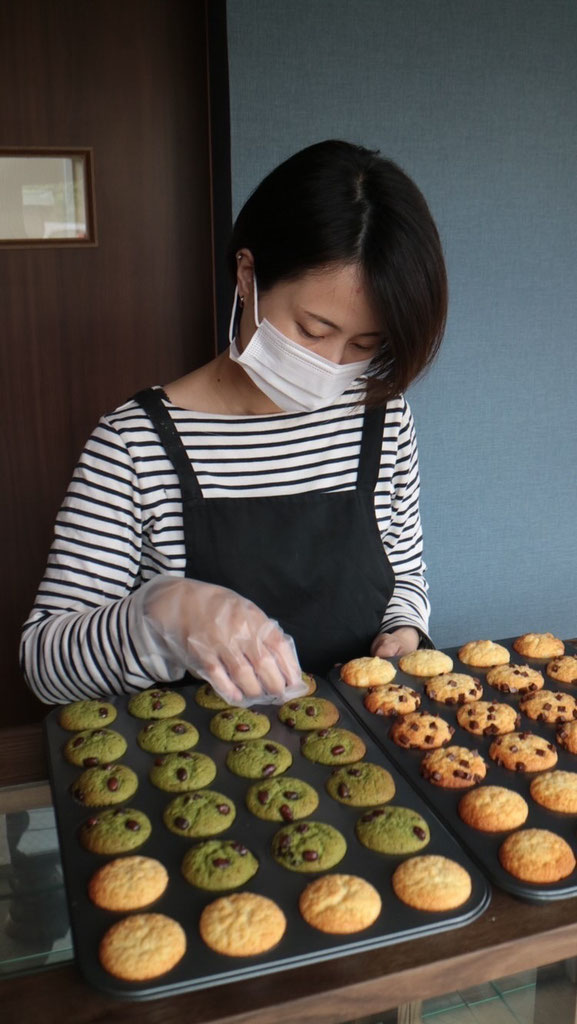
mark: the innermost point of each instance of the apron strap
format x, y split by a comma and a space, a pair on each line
151, 401
371, 449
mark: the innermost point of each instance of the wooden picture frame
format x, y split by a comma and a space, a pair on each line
47, 197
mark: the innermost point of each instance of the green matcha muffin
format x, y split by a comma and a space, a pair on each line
206, 697
333, 746
282, 799
156, 703
202, 813
239, 723
309, 846
392, 830
258, 759
87, 714
106, 784
219, 864
309, 713
181, 772
361, 785
310, 681
94, 746
169, 736
115, 831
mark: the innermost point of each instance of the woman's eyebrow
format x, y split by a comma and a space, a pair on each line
329, 323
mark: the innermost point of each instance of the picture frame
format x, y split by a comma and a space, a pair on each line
47, 197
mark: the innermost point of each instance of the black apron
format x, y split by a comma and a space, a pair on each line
314, 562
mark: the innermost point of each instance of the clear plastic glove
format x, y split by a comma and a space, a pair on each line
218, 635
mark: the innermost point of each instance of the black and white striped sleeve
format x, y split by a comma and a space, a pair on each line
76, 642
403, 539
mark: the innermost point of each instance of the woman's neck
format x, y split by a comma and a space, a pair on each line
220, 386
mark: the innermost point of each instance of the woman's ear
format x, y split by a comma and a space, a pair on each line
245, 274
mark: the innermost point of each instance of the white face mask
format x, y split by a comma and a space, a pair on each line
294, 378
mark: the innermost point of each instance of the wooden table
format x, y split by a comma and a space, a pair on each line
510, 937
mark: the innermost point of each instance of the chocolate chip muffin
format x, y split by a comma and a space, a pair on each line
361, 785
258, 759
282, 799
156, 703
202, 813
563, 669
92, 747
523, 752
333, 746
421, 731
105, 784
206, 697
453, 767
567, 737
391, 700
392, 830
117, 830
181, 772
488, 718
454, 688
308, 846
308, 713
87, 714
549, 706
219, 864
239, 723
515, 679
168, 736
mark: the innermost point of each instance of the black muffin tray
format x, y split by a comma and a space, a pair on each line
301, 944
483, 847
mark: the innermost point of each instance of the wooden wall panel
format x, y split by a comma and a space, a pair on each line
83, 329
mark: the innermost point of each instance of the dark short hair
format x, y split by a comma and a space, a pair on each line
335, 202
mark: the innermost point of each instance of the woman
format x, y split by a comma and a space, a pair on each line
263, 510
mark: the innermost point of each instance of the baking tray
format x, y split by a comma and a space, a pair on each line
482, 846
301, 944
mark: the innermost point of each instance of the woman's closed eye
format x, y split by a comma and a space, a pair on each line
369, 350
307, 334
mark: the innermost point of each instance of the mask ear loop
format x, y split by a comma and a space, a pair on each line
237, 311
256, 319
234, 318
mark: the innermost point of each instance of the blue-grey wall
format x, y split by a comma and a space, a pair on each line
477, 100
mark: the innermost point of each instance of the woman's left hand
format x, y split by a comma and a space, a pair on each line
400, 641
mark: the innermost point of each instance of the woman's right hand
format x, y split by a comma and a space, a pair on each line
224, 638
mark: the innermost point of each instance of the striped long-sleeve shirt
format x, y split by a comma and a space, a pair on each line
121, 524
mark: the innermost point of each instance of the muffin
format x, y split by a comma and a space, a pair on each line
87, 714
360, 785
281, 799
308, 846
92, 747
308, 713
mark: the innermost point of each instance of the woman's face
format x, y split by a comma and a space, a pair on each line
328, 311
